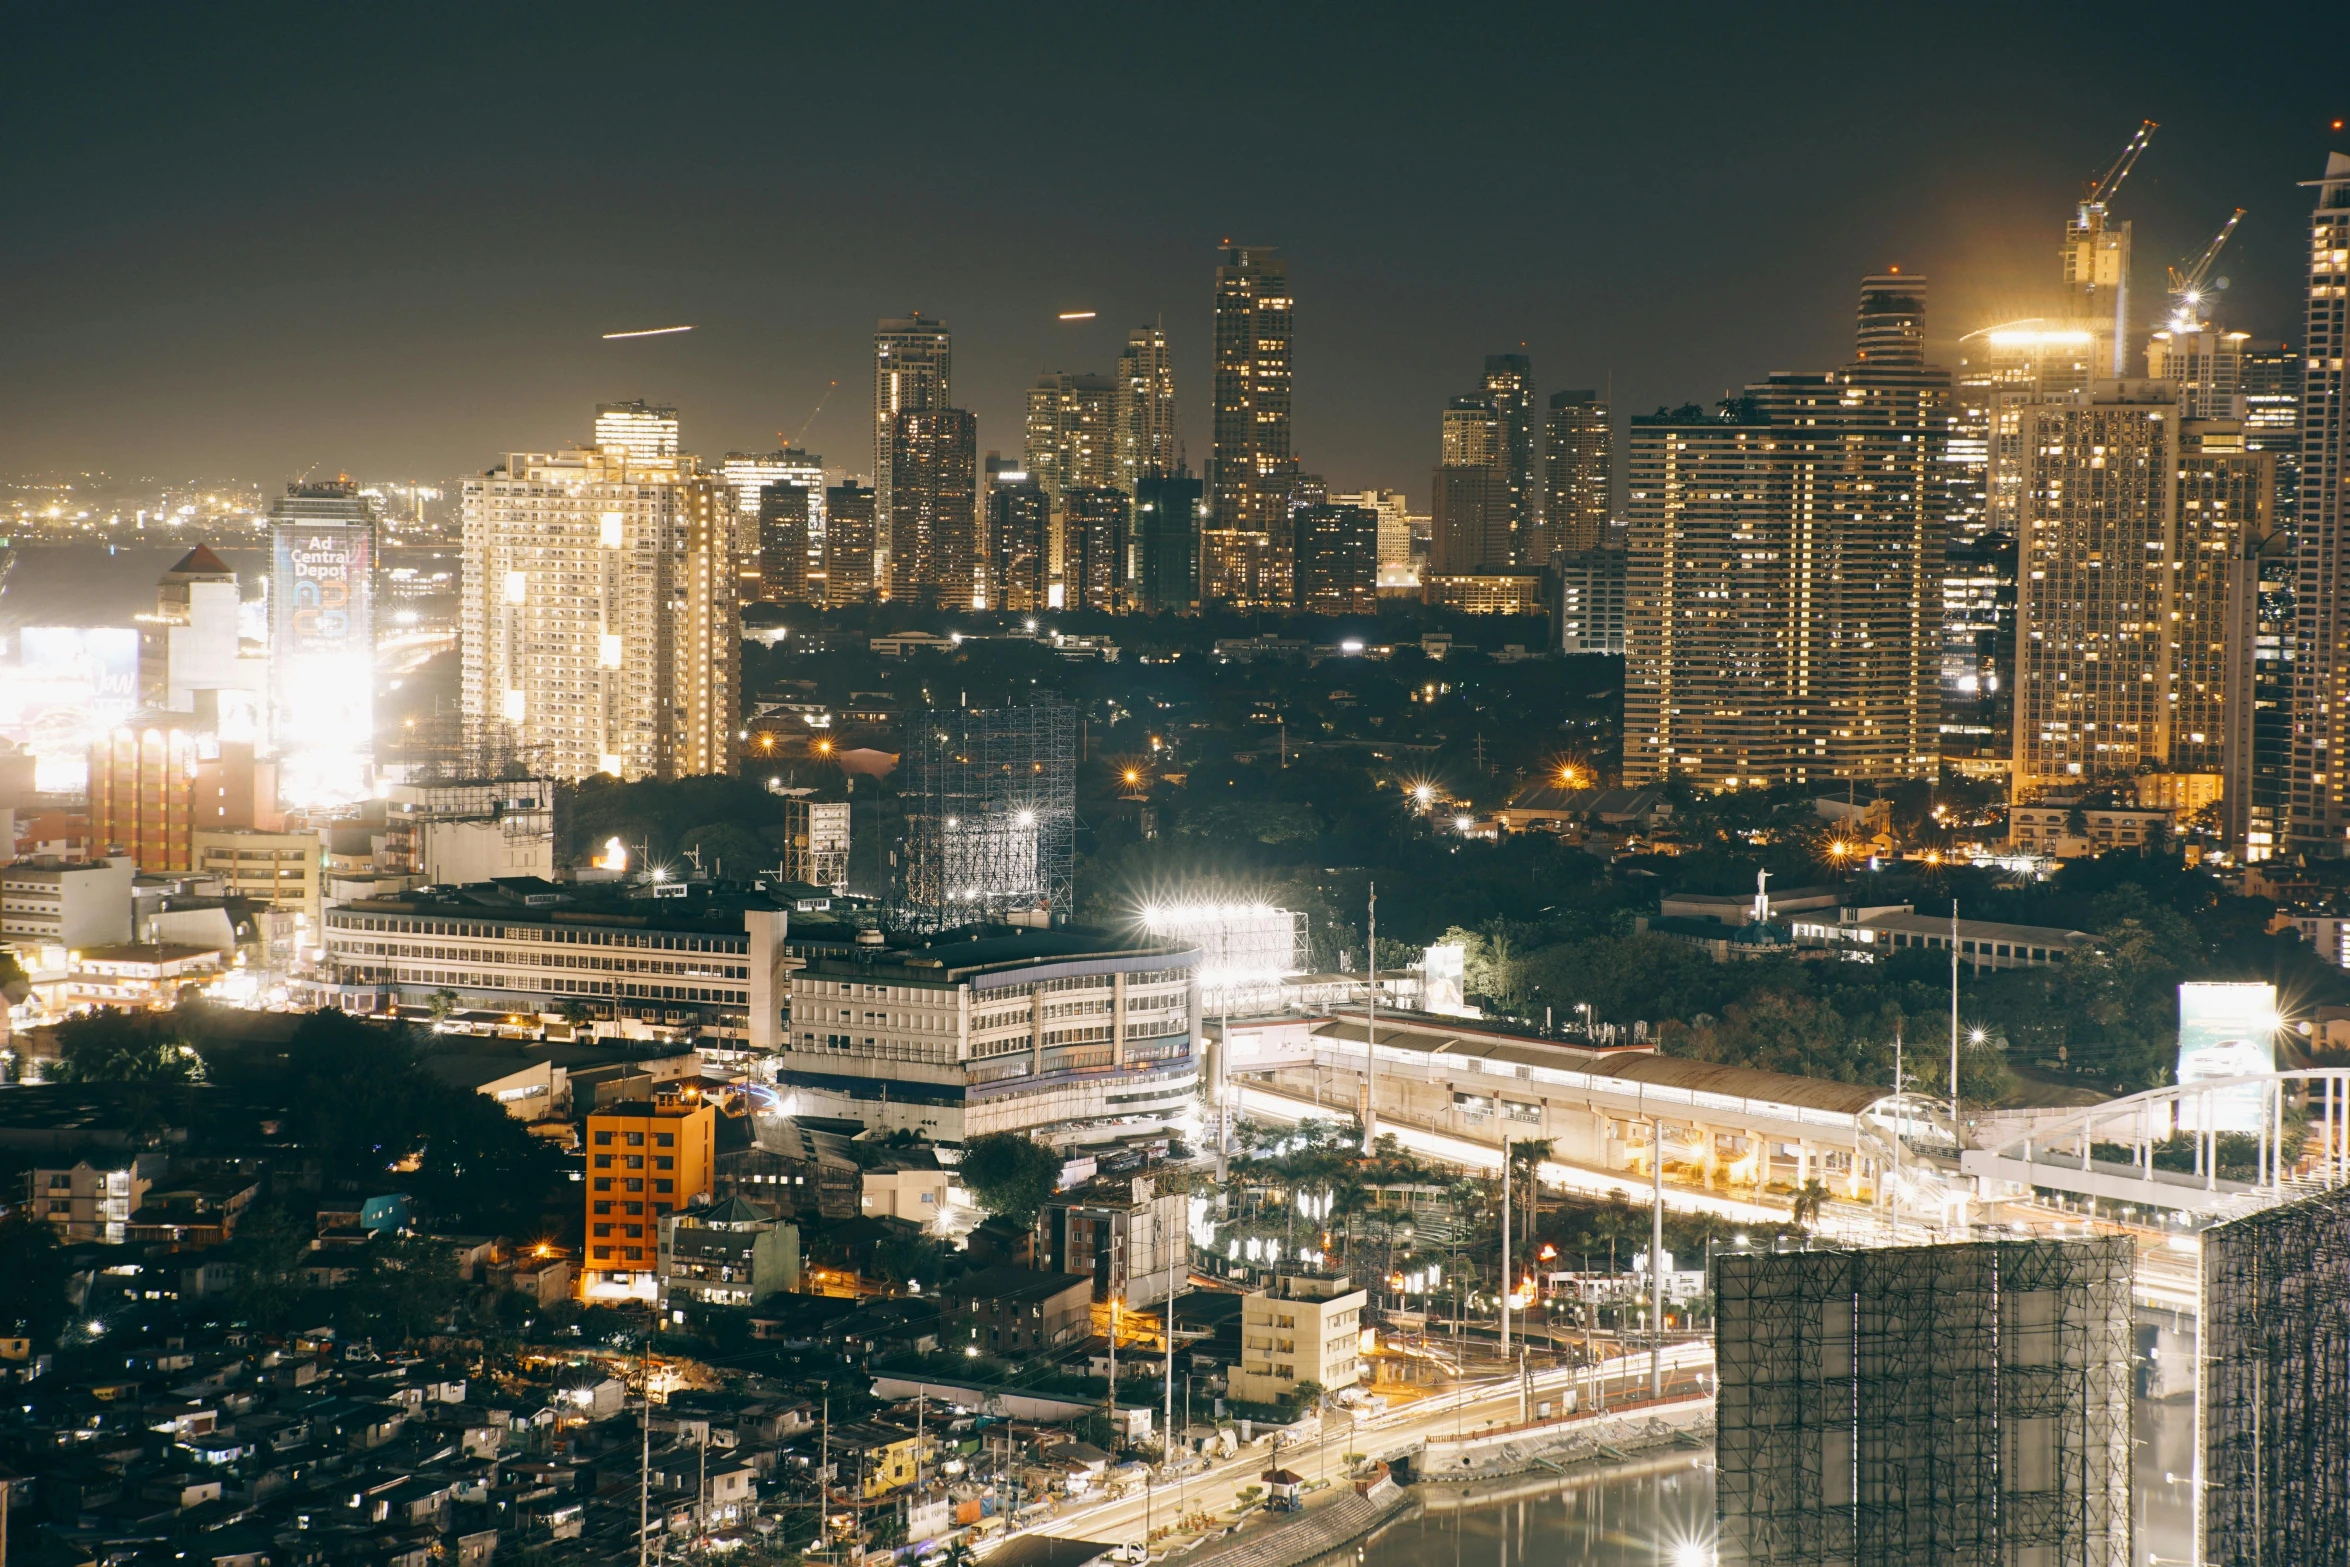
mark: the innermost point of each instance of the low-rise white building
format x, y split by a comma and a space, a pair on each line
1305, 1329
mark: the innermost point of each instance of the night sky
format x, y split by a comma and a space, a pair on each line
242, 241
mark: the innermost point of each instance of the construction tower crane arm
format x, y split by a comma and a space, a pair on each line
2102, 191
2188, 285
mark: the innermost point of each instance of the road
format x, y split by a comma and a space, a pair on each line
1463, 1412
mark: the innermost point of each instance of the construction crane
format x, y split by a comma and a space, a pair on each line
829, 388
2187, 287
2099, 192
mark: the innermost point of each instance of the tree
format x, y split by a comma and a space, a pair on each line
1009, 1175
1809, 1202
726, 848
408, 1288
33, 1302
111, 1046
442, 1003
269, 1250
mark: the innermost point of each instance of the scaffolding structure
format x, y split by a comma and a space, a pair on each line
990, 815
2274, 1387
1926, 1406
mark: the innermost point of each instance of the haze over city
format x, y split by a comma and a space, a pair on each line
1042, 787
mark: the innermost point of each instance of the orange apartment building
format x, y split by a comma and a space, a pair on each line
644, 1159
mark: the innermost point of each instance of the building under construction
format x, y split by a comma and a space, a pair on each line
1926, 1406
2275, 1394
989, 797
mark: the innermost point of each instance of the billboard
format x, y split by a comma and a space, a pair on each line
71, 685
2226, 1031
322, 659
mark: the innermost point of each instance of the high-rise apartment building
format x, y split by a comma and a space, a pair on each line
852, 544
934, 485
1142, 411
322, 641
750, 473
2207, 364
1244, 549
2137, 604
638, 428
1978, 651
1780, 599
1167, 518
191, 656
2271, 387
600, 627
2257, 813
913, 361
1019, 538
1338, 560
1093, 547
1472, 531
1578, 471
2320, 822
1395, 522
1071, 442
791, 550
1589, 610
1509, 381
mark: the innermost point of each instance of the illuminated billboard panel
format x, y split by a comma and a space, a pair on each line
2226, 1031
71, 685
322, 659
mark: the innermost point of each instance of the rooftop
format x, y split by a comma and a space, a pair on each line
958, 957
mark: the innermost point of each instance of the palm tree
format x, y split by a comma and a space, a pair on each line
1812, 1198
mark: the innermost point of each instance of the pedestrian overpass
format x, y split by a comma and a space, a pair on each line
2074, 1153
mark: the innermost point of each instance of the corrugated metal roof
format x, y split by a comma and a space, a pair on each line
1627, 1064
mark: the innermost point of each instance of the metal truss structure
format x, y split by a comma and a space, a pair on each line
1935, 1406
990, 826
2274, 1387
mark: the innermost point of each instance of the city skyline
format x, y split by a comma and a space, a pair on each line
262, 341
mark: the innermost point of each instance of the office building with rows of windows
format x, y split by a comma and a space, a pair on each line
1065, 1034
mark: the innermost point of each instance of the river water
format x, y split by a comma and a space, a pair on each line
1658, 1511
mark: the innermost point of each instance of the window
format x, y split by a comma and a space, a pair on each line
665, 1139
603, 1139
603, 1183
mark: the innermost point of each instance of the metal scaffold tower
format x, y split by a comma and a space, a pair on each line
990, 825
1926, 1406
2274, 1388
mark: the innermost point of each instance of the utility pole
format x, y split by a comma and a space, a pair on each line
1371, 1039
1506, 1183
1224, 1090
1656, 1267
1954, 1023
644, 1472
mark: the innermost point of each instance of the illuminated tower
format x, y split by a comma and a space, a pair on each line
1509, 381
600, 627
322, 641
2320, 821
912, 361
1578, 463
1143, 410
639, 428
1244, 550
934, 481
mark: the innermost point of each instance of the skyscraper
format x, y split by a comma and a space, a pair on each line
1471, 532
2135, 614
1338, 560
1019, 537
790, 550
1244, 549
1142, 414
1093, 547
600, 628
749, 474
1070, 440
2271, 386
934, 479
851, 548
2096, 257
1509, 381
2208, 365
639, 428
1395, 522
912, 365
1779, 600
1166, 542
2320, 821
1578, 468
322, 641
